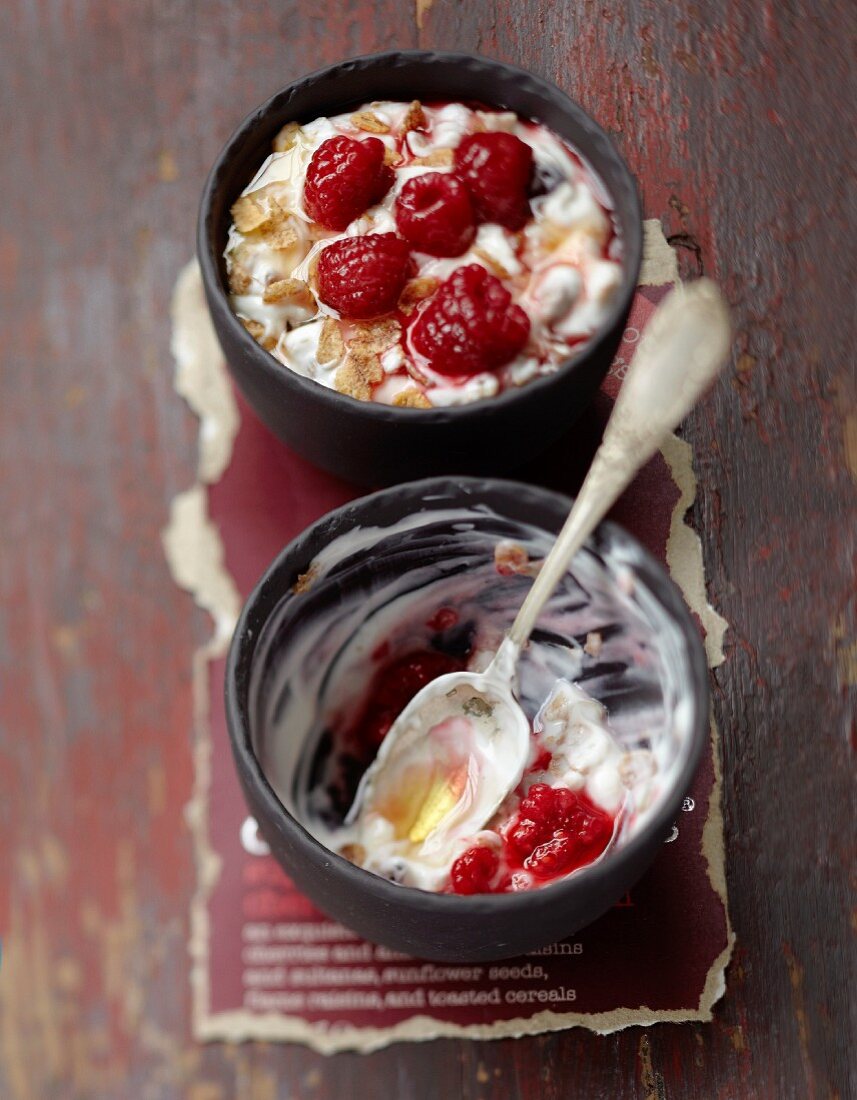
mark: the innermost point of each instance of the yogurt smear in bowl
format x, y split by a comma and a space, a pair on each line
482, 253
384, 610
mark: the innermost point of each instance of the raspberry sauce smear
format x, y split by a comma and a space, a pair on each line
554, 832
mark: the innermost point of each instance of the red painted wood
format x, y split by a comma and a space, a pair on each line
733, 115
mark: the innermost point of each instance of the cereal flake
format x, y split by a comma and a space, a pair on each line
411, 398
281, 235
305, 580
415, 117
356, 853
240, 279
493, 265
510, 557
359, 373
331, 346
416, 290
286, 138
248, 214
255, 328
284, 290
369, 122
437, 158
375, 336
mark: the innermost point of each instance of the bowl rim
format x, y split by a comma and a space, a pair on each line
275, 583
374, 411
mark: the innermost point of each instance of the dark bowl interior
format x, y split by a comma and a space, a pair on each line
373, 444
654, 684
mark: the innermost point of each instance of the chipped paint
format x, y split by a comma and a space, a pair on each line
846, 664
66, 640
659, 265
194, 552
74, 397
844, 648
168, 170
648, 1080
796, 981
684, 550
205, 1090
850, 438
199, 377
421, 10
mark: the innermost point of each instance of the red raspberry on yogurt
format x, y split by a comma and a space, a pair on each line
434, 214
471, 325
362, 277
344, 177
497, 169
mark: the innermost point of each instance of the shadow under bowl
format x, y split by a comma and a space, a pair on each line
372, 444
652, 677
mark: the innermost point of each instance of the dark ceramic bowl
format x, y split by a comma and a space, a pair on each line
375, 444
657, 692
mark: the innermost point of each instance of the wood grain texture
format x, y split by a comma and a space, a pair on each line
734, 118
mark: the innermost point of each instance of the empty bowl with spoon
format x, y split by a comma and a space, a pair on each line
415, 575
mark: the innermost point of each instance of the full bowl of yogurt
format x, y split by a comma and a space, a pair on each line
419, 263
386, 593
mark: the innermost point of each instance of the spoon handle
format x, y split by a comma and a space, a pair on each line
683, 348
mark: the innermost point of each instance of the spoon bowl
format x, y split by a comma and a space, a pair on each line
439, 537
458, 746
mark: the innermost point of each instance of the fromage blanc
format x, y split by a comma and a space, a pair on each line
422, 256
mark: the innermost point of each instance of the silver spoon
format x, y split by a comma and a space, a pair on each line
462, 743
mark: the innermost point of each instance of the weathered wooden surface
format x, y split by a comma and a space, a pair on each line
734, 116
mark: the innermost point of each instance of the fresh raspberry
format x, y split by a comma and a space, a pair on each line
473, 872
400, 681
554, 856
538, 803
565, 804
345, 176
590, 825
434, 213
594, 832
497, 168
525, 835
470, 325
362, 277
555, 831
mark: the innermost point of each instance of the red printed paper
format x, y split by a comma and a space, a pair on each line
267, 963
